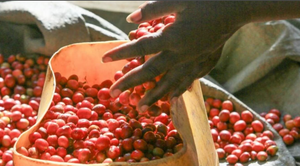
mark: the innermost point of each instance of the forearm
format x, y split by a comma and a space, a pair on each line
260, 11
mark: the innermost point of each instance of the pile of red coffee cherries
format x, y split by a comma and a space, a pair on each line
84, 124
238, 136
289, 130
21, 84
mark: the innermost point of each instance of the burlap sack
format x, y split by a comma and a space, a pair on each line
44, 27
260, 66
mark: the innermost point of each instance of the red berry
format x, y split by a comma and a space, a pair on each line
247, 116
232, 159
257, 126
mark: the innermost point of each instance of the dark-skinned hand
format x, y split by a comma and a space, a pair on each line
184, 51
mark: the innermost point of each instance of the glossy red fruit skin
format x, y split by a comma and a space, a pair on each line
295, 134
224, 115
56, 158
237, 152
246, 147
77, 134
141, 32
235, 139
61, 151
221, 153
229, 148
247, 116
214, 112
103, 94
284, 132
278, 126
127, 144
232, 159
272, 150
84, 113
268, 133
225, 135
72, 84
297, 121
113, 152
275, 111
258, 147
102, 143
34, 136
52, 140
287, 117
215, 120
240, 125
217, 103
262, 156
288, 139
137, 155
228, 105
289, 124
245, 156
63, 141
84, 155
222, 126
234, 117
269, 143
257, 126
214, 134
273, 116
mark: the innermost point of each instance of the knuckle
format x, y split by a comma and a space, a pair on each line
149, 44
127, 82
175, 81
152, 71
151, 97
173, 38
153, 8
141, 48
184, 85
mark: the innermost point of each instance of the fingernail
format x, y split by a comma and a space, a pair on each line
144, 4
116, 92
134, 16
106, 59
190, 87
144, 108
174, 100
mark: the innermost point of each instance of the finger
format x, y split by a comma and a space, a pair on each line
146, 72
153, 95
200, 70
212, 60
146, 45
153, 10
183, 86
170, 81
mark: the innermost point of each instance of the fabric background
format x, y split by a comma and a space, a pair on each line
44, 27
260, 66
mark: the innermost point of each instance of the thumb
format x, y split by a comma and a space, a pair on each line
153, 10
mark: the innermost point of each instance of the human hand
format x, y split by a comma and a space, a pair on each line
185, 50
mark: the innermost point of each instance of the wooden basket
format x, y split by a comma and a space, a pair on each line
188, 113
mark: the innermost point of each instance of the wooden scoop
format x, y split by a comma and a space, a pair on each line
188, 113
